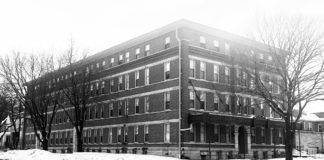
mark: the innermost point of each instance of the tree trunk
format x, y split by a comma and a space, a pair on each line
79, 142
45, 144
15, 140
289, 142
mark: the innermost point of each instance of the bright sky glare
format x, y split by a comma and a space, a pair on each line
47, 26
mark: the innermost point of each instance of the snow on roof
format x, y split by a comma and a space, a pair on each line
36, 154
310, 117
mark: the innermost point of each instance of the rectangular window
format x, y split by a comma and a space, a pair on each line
125, 134
146, 133
137, 78
135, 133
252, 135
120, 105
216, 102
202, 70
167, 43
238, 76
127, 57
202, 100
110, 135
167, 70
89, 136
137, 53
103, 87
97, 65
216, 133
120, 83
111, 109
244, 78
97, 88
101, 135
227, 75
119, 135
227, 48
216, 73
192, 64
216, 46
202, 132
137, 105
147, 50
147, 76
112, 61
126, 107
167, 100
202, 42
167, 132
319, 128
147, 104
121, 59
103, 63
227, 103
192, 99
111, 85
91, 89
126, 82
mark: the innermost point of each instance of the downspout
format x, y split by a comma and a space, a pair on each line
180, 98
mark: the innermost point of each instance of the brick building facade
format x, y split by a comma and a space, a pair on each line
177, 80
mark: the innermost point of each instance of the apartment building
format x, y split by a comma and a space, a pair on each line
175, 91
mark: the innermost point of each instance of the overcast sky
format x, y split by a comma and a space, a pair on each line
46, 26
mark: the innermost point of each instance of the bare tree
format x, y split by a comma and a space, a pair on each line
30, 77
76, 90
14, 111
292, 53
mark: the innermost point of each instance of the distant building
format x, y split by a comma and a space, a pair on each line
177, 80
311, 133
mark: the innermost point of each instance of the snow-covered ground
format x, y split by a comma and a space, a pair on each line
36, 154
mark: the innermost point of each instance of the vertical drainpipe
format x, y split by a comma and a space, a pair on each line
180, 98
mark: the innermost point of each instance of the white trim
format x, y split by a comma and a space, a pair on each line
208, 60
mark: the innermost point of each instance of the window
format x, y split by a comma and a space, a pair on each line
127, 57
102, 87
252, 135
119, 136
216, 46
97, 88
227, 75
253, 104
146, 133
269, 58
147, 104
192, 64
261, 56
111, 109
121, 59
202, 100
244, 78
126, 82
112, 61
103, 63
262, 135
216, 102
202, 132
101, 135
91, 90
167, 43
110, 135
137, 53
137, 78
167, 132
147, 76
137, 105
252, 84
126, 107
167, 70
227, 48
192, 99
97, 65
262, 109
202, 42
238, 76
120, 105
87, 70
216, 73
167, 100
111, 85
147, 50
126, 134
227, 103
135, 133
89, 136
120, 83
202, 70
319, 128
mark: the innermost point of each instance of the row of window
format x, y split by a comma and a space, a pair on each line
245, 105
241, 78
216, 47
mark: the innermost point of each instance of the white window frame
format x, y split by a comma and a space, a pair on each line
127, 56
126, 81
166, 132
147, 76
